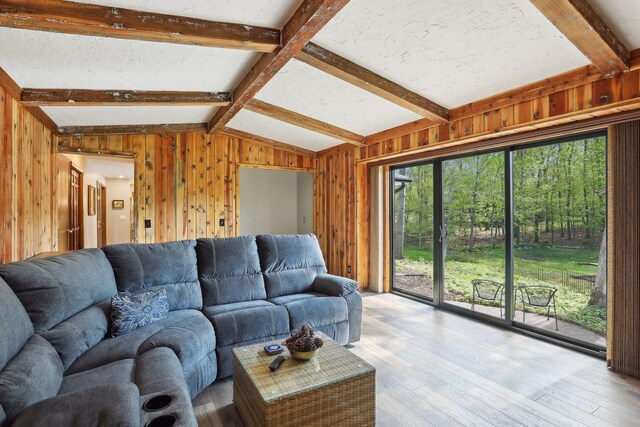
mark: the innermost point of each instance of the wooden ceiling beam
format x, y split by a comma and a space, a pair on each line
83, 97
362, 78
303, 121
132, 129
577, 20
306, 21
103, 21
268, 141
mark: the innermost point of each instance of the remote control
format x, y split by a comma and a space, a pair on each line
276, 363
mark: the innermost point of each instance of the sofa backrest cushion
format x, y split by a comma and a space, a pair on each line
15, 325
229, 270
34, 374
290, 263
171, 265
54, 289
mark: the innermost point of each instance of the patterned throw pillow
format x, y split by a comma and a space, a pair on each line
132, 311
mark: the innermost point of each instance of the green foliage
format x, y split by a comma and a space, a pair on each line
463, 266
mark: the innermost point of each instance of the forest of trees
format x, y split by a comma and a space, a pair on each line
559, 198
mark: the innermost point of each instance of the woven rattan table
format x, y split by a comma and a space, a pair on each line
335, 388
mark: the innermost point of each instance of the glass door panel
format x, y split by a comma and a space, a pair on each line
413, 225
473, 233
559, 237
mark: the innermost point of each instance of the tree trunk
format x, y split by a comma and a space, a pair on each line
400, 220
599, 294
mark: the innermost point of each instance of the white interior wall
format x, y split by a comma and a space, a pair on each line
305, 202
118, 220
271, 202
90, 176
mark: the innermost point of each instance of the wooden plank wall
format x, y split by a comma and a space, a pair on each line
27, 183
624, 249
186, 182
342, 209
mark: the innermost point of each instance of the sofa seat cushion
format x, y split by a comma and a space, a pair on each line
286, 299
235, 306
187, 332
317, 311
170, 266
238, 326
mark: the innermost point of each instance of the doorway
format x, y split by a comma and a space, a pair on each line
104, 211
275, 201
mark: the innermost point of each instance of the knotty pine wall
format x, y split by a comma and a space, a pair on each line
185, 183
28, 208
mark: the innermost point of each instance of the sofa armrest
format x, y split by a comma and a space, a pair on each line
336, 286
109, 404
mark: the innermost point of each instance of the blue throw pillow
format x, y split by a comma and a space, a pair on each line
132, 311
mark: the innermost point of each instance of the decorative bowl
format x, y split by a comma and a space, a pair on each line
303, 355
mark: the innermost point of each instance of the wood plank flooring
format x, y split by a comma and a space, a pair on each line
435, 368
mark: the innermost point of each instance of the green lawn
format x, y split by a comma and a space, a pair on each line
462, 267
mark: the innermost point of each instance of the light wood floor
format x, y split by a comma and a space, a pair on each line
436, 368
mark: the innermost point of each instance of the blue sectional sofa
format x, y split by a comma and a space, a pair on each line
60, 366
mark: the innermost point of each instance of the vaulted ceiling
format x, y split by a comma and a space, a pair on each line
406, 60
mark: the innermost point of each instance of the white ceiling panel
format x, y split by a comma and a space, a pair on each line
49, 60
452, 52
622, 17
265, 126
309, 91
263, 13
103, 116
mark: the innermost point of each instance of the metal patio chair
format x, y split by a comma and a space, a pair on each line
487, 290
539, 296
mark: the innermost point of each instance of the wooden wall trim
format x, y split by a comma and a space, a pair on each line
14, 91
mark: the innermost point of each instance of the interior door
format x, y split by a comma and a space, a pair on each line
101, 200
63, 176
75, 209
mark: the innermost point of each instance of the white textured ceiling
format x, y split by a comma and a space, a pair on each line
623, 17
258, 124
264, 13
452, 52
100, 116
49, 60
309, 91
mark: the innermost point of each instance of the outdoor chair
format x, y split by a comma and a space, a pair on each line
487, 290
539, 296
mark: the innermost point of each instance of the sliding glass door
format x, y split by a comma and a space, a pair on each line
473, 233
413, 225
559, 238
517, 235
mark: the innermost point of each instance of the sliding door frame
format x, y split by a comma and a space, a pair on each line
438, 301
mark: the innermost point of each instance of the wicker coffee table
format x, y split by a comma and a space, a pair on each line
335, 388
